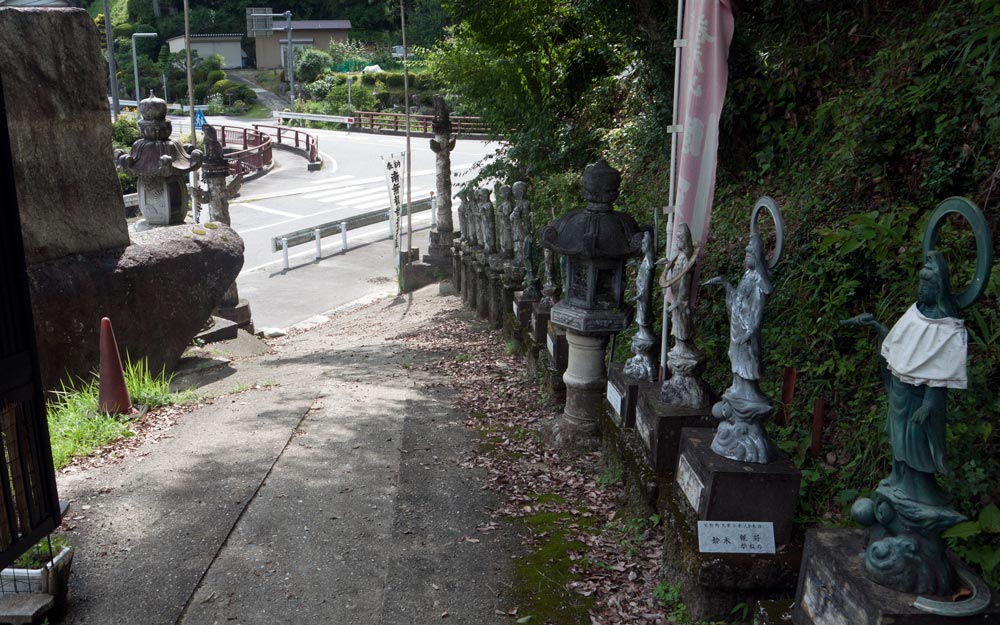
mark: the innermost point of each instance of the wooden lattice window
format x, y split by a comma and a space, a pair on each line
29, 504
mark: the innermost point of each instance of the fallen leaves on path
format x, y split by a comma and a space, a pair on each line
620, 565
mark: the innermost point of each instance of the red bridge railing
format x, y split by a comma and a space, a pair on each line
293, 138
396, 122
253, 151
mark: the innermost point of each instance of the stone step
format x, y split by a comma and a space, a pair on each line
25, 607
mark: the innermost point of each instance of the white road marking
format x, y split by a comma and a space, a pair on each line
272, 211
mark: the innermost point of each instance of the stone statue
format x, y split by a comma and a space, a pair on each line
520, 219
442, 144
217, 195
489, 224
684, 387
529, 253
921, 357
550, 286
463, 215
641, 366
504, 209
743, 407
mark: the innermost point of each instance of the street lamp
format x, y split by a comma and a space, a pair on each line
135, 65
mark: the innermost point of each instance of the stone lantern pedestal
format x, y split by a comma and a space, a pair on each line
596, 241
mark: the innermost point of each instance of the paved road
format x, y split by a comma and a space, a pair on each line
351, 181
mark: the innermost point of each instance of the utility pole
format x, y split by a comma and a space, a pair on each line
112, 70
190, 80
291, 60
406, 104
135, 66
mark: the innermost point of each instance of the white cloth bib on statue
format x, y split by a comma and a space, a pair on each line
920, 350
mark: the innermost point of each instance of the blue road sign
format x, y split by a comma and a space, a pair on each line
199, 119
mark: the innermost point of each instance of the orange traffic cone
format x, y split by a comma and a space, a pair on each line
112, 396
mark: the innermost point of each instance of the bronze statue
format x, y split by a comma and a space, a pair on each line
921, 357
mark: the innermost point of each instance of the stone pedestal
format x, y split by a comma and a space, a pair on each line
522, 309
659, 426
469, 278
238, 314
719, 489
440, 250
558, 348
773, 612
457, 271
622, 393
586, 380
482, 290
495, 299
833, 588
539, 326
713, 584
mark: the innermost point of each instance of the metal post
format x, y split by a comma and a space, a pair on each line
284, 251
343, 236
135, 66
350, 110
291, 61
434, 204
163, 77
406, 98
112, 70
190, 81
319, 248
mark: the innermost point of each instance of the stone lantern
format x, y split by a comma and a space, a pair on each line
161, 164
596, 242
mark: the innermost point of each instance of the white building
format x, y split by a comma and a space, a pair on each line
226, 45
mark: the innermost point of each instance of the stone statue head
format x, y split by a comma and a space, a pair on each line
757, 262
503, 193
519, 188
934, 292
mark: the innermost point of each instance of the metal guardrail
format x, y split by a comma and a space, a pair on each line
313, 117
317, 233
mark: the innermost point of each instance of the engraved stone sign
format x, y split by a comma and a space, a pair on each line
551, 345
642, 427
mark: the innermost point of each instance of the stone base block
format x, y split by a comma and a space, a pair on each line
417, 275
539, 325
773, 612
659, 426
557, 347
713, 584
239, 314
522, 309
621, 394
496, 312
719, 489
482, 293
833, 589
222, 330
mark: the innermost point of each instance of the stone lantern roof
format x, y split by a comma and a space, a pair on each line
597, 231
155, 153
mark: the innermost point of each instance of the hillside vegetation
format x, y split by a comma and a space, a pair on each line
858, 116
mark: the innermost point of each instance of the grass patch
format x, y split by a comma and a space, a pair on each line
43, 551
541, 578
77, 427
257, 111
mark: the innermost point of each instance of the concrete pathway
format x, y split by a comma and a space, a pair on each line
321, 485
265, 97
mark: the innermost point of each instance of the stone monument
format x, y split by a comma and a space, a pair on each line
443, 235
161, 165
597, 241
905, 557
215, 170
160, 285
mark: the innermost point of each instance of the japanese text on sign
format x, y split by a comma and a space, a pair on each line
736, 537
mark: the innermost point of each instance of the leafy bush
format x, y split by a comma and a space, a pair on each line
215, 76
310, 63
124, 132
